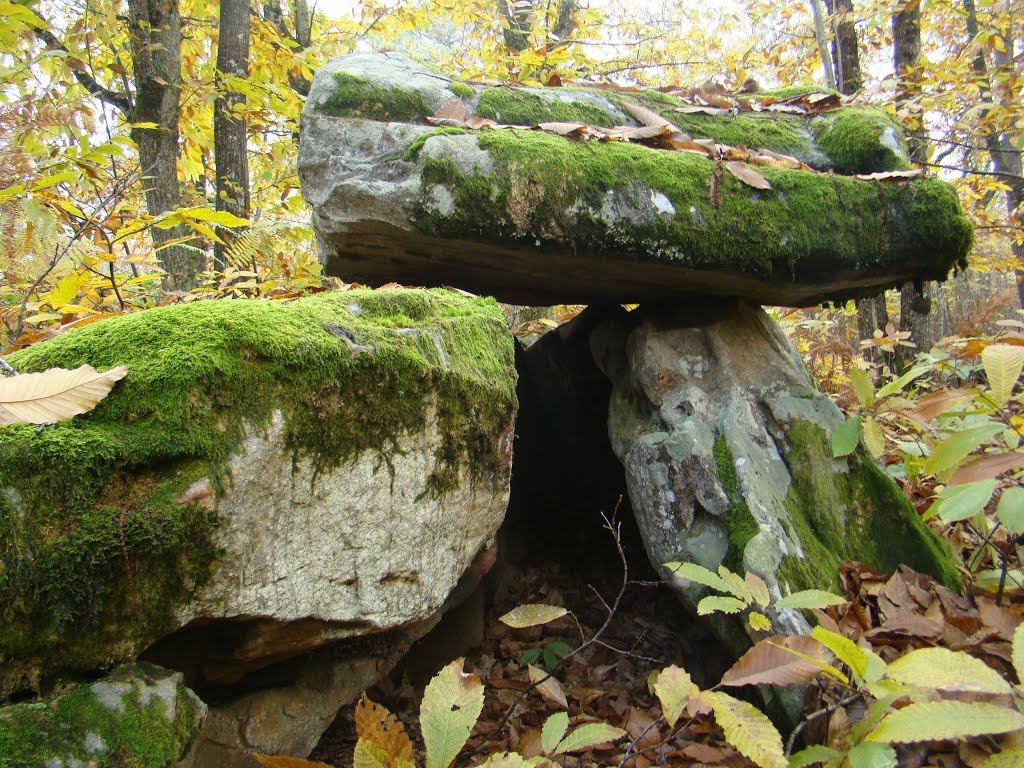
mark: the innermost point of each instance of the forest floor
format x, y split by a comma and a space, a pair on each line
648, 630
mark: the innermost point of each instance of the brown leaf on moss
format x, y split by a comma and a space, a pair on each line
747, 175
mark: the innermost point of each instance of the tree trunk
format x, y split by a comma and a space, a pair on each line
822, 38
915, 298
229, 130
516, 28
155, 31
848, 77
871, 313
1005, 159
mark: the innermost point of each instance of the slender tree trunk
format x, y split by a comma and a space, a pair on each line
155, 30
915, 298
871, 313
822, 38
229, 130
1004, 157
516, 28
847, 54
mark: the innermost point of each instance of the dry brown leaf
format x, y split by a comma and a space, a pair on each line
569, 130
482, 122
281, 761
54, 395
550, 689
705, 753
453, 110
769, 662
935, 403
645, 116
696, 109
639, 726
376, 724
987, 467
447, 122
634, 133
890, 175
747, 175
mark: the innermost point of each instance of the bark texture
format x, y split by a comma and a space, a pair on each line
155, 31
915, 298
229, 129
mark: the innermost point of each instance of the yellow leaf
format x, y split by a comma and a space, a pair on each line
1003, 363
54, 395
749, 730
382, 730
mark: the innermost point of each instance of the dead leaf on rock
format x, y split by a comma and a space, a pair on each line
454, 110
890, 175
447, 122
54, 395
644, 115
747, 175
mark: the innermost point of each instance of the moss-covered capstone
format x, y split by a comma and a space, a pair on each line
536, 218
727, 453
246, 435
139, 715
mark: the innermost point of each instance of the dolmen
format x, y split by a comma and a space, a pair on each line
696, 206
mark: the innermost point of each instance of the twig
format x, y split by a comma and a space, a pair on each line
974, 171
7, 368
89, 221
816, 715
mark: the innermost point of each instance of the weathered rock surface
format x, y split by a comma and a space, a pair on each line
139, 715
726, 447
270, 478
534, 218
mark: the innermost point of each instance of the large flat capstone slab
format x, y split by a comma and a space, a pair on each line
532, 217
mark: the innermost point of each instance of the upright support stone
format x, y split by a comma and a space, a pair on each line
727, 452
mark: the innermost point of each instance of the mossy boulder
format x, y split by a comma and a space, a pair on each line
536, 218
138, 715
304, 470
726, 447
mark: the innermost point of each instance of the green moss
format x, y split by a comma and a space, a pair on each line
200, 376
414, 149
461, 90
78, 726
857, 514
861, 139
791, 91
356, 97
740, 522
519, 106
781, 133
547, 188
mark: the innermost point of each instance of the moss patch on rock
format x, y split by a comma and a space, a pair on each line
851, 511
357, 97
861, 139
348, 371
106, 730
520, 106
547, 188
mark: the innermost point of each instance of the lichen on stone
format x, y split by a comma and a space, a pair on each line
347, 371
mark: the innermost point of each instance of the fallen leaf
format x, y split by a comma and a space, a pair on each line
747, 175
890, 175
54, 395
644, 115
452, 110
